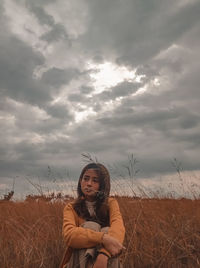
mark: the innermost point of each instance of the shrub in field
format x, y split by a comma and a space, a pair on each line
159, 233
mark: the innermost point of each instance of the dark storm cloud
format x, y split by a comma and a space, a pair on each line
158, 39
57, 31
152, 148
76, 97
86, 90
42, 126
16, 72
170, 114
59, 111
39, 12
148, 70
20, 158
18, 83
140, 29
120, 90
132, 118
189, 121
55, 77
17, 62
96, 101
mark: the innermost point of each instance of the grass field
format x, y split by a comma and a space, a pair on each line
159, 233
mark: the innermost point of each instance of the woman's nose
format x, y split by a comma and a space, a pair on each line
89, 182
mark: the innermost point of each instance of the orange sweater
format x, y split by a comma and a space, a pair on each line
79, 237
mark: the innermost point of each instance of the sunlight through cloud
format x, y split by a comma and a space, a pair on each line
109, 75
80, 116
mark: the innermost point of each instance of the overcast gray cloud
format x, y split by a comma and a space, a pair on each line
110, 78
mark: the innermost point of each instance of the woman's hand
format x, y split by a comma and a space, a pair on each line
112, 245
101, 261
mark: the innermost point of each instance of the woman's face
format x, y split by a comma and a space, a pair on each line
90, 184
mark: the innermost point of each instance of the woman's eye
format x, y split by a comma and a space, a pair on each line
95, 180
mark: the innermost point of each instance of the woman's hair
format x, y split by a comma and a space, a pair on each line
101, 205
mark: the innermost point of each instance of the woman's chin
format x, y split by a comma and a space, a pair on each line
90, 197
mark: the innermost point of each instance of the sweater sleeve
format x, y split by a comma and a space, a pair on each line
116, 229
78, 237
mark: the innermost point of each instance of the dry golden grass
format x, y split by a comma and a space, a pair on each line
159, 233
30, 234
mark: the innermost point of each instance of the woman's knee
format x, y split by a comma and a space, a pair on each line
91, 225
105, 229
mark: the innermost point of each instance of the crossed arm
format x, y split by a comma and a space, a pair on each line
113, 246
111, 242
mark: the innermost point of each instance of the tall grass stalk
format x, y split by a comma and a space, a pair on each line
159, 233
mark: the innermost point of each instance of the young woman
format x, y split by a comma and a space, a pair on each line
92, 226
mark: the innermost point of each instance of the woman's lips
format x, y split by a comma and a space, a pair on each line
88, 190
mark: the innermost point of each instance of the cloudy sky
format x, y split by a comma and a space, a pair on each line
110, 78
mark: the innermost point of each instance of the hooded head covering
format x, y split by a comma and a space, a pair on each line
104, 180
